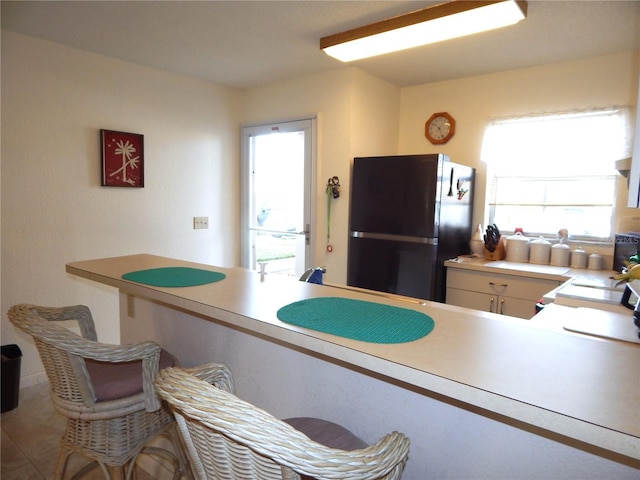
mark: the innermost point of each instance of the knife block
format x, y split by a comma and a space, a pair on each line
499, 253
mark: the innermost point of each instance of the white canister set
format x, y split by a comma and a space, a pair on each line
540, 251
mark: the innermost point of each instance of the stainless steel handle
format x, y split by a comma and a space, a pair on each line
501, 306
493, 284
394, 238
307, 234
491, 305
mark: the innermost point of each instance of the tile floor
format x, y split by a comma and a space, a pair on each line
30, 436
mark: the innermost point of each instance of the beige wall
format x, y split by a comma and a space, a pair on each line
597, 82
54, 101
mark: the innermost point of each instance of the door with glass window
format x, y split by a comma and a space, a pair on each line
277, 163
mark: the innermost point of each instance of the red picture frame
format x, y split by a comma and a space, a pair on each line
122, 159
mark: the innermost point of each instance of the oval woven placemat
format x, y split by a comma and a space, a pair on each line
174, 276
358, 319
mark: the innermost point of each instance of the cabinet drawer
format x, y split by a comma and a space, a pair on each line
515, 307
468, 299
527, 288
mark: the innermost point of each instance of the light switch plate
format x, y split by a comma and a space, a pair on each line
200, 223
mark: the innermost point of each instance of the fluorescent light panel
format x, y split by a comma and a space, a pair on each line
430, 25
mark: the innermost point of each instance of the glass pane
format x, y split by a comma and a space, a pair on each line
283, 254
278, 201
580, 221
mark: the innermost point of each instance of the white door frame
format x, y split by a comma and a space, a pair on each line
309, 125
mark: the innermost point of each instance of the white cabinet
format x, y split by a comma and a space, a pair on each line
497, 293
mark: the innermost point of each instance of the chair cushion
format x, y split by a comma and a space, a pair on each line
119, 380
327, 433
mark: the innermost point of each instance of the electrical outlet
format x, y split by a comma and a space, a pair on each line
200, 222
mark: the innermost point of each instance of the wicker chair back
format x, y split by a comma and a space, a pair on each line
112, 433
230, 439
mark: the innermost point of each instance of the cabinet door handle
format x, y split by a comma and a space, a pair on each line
501, 306
491, 305
493, 284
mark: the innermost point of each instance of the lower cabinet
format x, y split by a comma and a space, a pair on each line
496, 293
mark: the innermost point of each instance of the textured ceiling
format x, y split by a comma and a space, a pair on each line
244, 44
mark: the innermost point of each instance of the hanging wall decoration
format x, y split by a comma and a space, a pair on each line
333, 192
122, 159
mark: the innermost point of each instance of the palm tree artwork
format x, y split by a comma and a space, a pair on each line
122, 158
128, 160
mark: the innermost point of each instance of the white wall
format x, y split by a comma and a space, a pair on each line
357, 116
54, 102
596, 82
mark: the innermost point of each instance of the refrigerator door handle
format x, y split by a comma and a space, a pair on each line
395, 238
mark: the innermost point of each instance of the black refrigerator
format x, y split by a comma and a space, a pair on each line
408, 214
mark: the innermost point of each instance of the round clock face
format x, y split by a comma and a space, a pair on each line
440, 127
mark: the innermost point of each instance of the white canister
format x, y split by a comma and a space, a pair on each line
540, 251
596, 261
560, 254
517, 248
578, 258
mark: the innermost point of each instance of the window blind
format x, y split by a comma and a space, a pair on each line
547, 172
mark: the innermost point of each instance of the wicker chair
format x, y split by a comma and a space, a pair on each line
227, 438
112, 409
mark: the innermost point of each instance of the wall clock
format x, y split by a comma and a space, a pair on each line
440, 128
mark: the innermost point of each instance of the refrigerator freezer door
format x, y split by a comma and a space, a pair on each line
396, 195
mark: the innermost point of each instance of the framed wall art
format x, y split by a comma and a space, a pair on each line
122, 159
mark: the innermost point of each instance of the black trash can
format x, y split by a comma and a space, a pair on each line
11, 358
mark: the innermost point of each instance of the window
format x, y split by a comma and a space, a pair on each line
547, 172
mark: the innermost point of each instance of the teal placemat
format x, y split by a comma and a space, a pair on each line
358, 320
174, 277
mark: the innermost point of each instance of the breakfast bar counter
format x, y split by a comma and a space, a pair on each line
505, 394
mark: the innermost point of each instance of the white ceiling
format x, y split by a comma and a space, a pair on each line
244, 44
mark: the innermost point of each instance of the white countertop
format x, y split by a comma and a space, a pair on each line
589, 321
581, 387
549, 272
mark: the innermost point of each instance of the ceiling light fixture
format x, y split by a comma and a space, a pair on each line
421, 27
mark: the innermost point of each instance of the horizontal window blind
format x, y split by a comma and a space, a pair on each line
543, 191
547, 172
